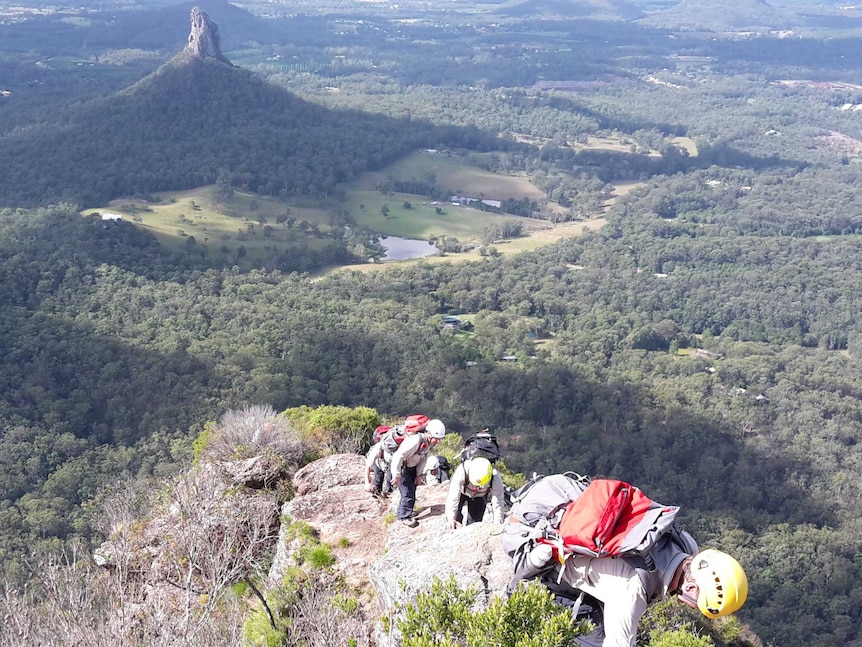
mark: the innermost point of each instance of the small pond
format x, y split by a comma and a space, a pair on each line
400, 249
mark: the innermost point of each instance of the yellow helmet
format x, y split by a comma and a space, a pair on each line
480, 471
721, 583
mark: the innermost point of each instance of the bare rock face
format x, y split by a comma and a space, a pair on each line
413, 557
204, 41
331, 498
330, 472
257, 473
397, 561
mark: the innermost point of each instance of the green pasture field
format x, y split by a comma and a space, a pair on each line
225, 226
421, 221
459, 174
622, 144
62, 64
688, 144
619, 144
236, 223
544, 234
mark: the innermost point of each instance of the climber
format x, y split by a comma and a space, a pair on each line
709, 580
606, 540
408, 464
378, 478
476, 484
436, 470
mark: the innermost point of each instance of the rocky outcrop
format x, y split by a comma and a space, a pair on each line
413, 557
331, 498
220, 517
204, 40
397, 561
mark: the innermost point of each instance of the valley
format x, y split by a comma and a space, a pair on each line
653, 207
202, 221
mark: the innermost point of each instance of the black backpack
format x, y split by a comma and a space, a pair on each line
444, 464
482, 445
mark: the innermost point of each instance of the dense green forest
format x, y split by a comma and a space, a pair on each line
109, 367
705, 344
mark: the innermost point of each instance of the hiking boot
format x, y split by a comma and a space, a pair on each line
410, 522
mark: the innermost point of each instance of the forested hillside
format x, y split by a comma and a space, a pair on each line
111, 365
182, 125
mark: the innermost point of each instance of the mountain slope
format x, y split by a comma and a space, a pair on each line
184, 123
723, 15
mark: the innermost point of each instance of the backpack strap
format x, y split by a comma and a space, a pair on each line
523, 570
554, 511
521, 492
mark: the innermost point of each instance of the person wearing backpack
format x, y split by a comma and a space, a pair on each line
436, 470
378, 477
482, 444
386, 441
408, 463
475, 484
710, 580
605, 540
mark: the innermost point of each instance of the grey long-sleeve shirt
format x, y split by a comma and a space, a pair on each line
412, 452
624, 590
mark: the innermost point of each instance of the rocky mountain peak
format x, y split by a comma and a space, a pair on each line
204, 40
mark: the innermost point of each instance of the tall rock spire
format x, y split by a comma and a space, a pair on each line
204, 37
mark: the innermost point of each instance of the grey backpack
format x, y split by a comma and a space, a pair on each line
594, 517
538, 505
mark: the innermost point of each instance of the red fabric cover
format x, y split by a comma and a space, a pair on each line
380, 432
416, 423
603, 516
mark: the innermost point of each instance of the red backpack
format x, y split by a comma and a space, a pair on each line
393, 438
416, 423
378, 434
613, 518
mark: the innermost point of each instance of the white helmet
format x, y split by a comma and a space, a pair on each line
432, 463
436, 429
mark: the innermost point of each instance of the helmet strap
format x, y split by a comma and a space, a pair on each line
682, 573
687, 599
688, 590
